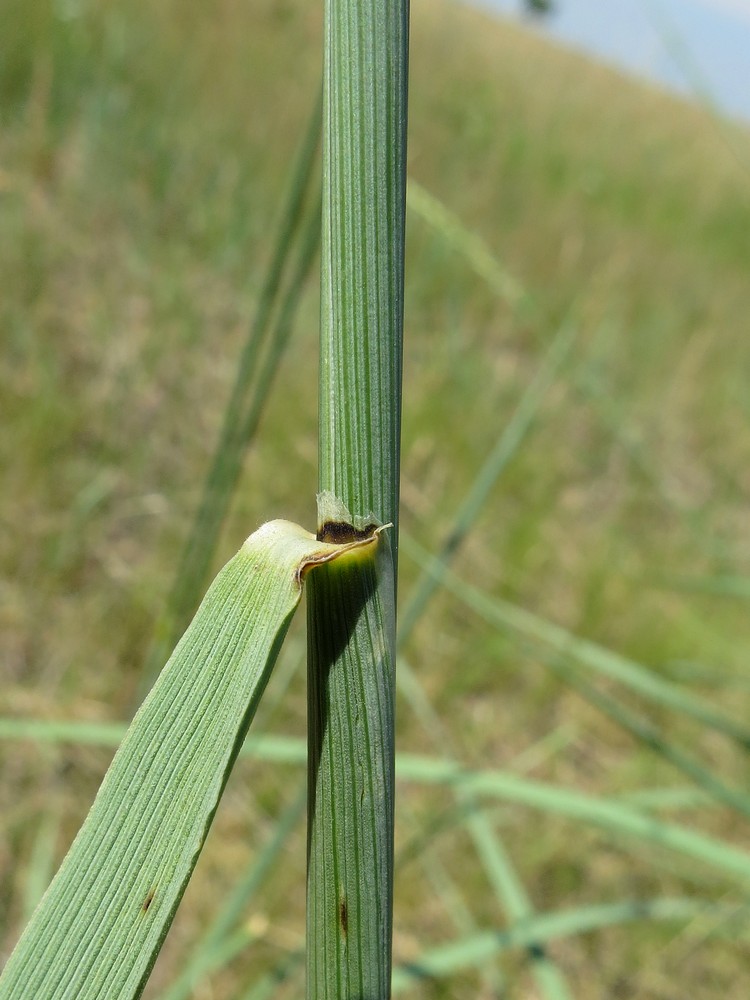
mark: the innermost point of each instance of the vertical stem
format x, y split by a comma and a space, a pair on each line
364, 181
351, 611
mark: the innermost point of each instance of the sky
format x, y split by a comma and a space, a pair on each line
696, 47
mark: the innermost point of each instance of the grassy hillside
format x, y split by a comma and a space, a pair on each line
144, 152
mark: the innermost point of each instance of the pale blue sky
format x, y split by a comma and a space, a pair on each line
687, 45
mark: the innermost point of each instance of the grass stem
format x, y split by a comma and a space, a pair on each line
351, 614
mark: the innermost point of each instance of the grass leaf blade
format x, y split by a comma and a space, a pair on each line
99, 928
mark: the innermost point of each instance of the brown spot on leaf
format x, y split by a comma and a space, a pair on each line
343, 916
148, 900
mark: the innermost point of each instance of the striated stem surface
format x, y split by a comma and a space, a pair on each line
351, 616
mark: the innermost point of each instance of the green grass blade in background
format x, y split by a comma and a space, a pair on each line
444, 887
351, 615
41, 862
598, 658
97, 734
673, 798
505, 448
252, 384
464, 241
511, 891
651, 737
717, 919
616, 817
623, 816
454, 956
500, 871
101, 924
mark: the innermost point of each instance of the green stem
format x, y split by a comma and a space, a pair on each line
351, 617
364, 181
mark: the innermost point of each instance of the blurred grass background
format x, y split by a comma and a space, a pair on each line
144, 155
